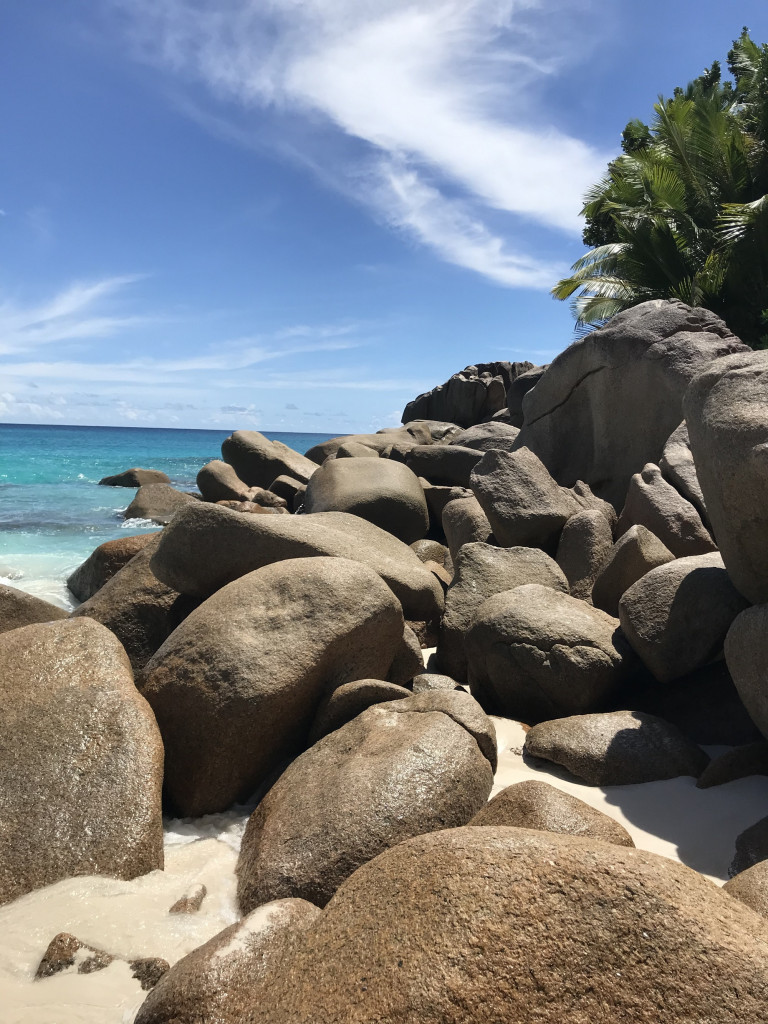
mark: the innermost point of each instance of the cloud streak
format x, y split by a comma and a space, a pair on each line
429, 94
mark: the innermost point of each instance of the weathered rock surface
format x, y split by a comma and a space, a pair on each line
468, 397
288, 488
739, 763
350, 700
725, 411
385, 493
445, 465
80, 757
400, 439
428, 681
676, 616
482, 571
217, 481
103, 562
396, 771
408, 660
517, 391
208, 546
475, 925
141, 611
433, 551
677, 465
582, 549
616, 749
537, 805
524, 505
751, 847
633, 555
464, 522
258, 461
135, 478
191, 901
484, 436
606, 405
355, 450
213, 983
534, 654
236, 686
158, 502
18, 608
746, 654
655, 504
751, 887
66, 953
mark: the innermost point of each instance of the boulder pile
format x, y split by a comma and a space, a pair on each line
584, 545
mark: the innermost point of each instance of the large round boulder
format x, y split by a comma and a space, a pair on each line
217, 481
446, 465
584, 545
236, 686
208, 546
257, 461
746, 654
676, 616
18, 608
385, 493
481, 571
81, 760
725, 409
473, 925
607, 404
484, 436
534, 653
655, 504
158, 502
103, 562
633, 555
135, 477
395, 771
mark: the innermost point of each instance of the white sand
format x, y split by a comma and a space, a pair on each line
131, 919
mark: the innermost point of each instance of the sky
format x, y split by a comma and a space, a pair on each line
300, 214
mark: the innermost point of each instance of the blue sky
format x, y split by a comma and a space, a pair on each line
298, 214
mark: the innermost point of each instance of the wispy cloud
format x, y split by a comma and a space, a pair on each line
73, 314
431, 93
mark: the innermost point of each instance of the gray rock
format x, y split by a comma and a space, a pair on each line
584, 544
20, 609
258, 461
751, 847
517, 391
208, 546
633, 555
678, 467
464, 522
655, 504
425, 682
468, 397
446, 465
433, 551
746, 654
534, 654
482, 571
396, 771
725, 411
484, 436
676, 616
350, 700
606, 405
158, 502
235, 688
540, 806
80, 757
355, 450
524, 505
620, 748
584, 496
103, 562
437, 498
739, 763
385, 493
408, 660
135, 478
213, 983
287, 487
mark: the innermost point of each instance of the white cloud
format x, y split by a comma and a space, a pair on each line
435, 94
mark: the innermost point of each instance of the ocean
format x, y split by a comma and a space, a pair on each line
53, 512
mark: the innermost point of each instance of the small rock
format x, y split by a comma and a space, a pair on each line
191, 902
158, 502
751, 887
135, 478
751, 847
464, 522
738, 763
65, 951
148, 970
350, 700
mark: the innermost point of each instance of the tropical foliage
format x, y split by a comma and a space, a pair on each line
683, 212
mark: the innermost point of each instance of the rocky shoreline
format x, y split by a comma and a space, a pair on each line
346, 639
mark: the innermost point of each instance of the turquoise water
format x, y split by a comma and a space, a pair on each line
52, 511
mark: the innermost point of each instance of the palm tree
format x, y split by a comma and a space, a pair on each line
684, 212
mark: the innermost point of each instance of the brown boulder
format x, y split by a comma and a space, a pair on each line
584, 544
103, 562
464, 522
479, 925
751, 887
537, 805
236, 686
655, 504
395, 771
135, 478
633, 555
257, 460
350, 700
158, 502
80, 757
18, 608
